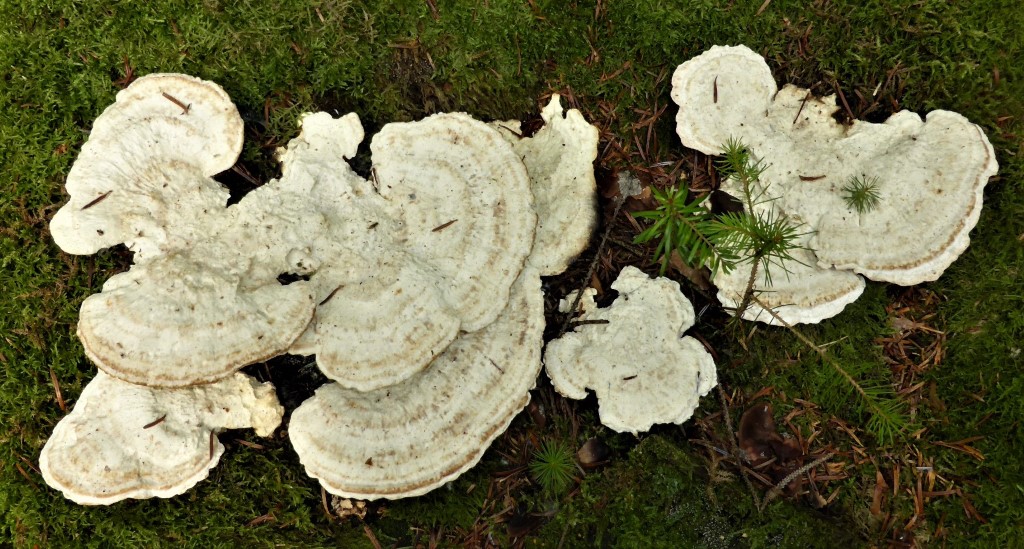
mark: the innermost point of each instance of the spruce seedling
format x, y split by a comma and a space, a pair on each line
764, 239
861, 193
683, 226
552, 466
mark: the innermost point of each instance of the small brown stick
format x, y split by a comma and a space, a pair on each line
184, 108
262, 519
252, 445
432, 4
715, 85
735, 447
57, 393
802, 103
30, 464
334, 291
495, 364
372, 538
443, 226
629, 378
24, 474
323, 500
593, 264
213, 443
842, 97
245, 175
812, 177
155, 422
586, 322
777, 489
97, 200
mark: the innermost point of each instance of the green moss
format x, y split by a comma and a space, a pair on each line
660, 497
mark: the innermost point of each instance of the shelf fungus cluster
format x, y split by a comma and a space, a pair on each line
633, 355
926, 178
417, 289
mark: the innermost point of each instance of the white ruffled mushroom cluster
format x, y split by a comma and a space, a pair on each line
418, 289
930, 175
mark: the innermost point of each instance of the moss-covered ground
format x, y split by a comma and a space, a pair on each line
951, 349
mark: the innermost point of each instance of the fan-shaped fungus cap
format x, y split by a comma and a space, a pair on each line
635, 358
203, 298
448, 218
800, 291
126, 441
409, 438
143, 177
560, 161
928, 175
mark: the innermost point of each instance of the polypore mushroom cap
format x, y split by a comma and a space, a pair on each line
560, 161
181, 321
800, 292
126, 441
639, 364
720, 93
203, 298
930, 174
448, 218
147, 166
409, 438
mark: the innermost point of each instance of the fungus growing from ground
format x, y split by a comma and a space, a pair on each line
418, 289
412, 436
203, 298
634, 356
126, 441
926, 176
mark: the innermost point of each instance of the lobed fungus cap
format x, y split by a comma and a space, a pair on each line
144, 175
560, 161
929, 173
642, 368
448, 217
411, 437
126, 441
203, 298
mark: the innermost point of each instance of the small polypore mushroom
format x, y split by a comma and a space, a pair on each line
126, 441
928, 174
560, 161
634, 356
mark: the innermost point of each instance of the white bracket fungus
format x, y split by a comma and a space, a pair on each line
560, 161
929, 173
447, 218
420, 290
202, 299
634, 356
412, 436
126, 441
